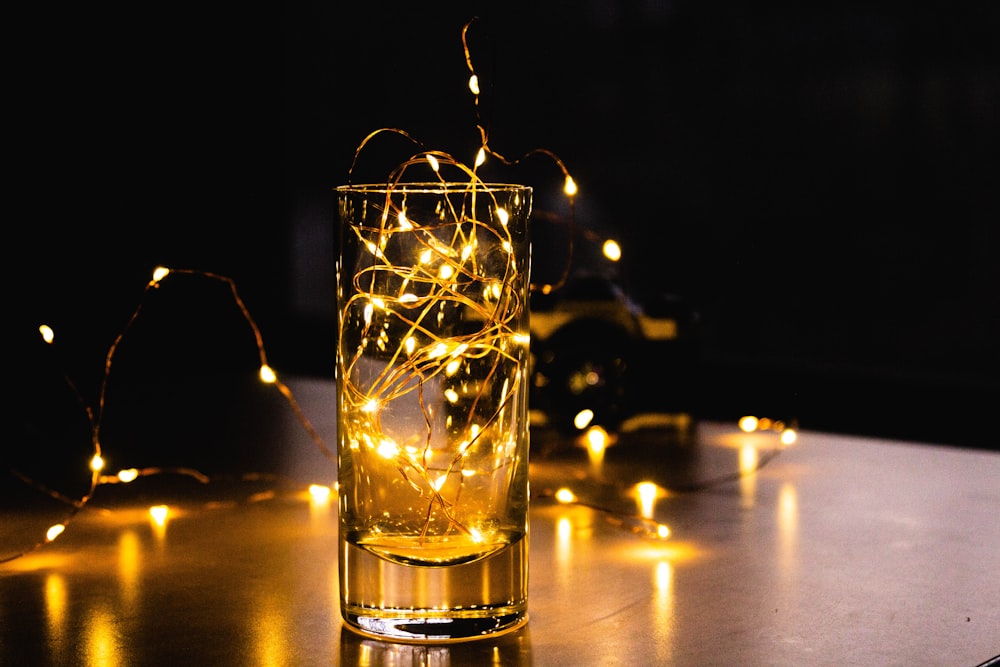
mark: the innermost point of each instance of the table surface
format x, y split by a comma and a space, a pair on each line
839, 551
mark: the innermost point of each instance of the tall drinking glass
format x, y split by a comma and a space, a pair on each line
432, 382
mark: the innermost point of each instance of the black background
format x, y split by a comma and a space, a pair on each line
819, 182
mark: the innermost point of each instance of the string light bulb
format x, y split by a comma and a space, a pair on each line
569, 187
159, 514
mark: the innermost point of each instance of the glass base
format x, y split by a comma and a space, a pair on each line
420, 604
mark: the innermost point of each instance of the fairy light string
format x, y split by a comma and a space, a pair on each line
645, 527
491, 342
95, 417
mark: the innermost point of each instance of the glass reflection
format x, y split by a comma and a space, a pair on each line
788, 524
513, 649
129, 566
55, 610
100, 646
663, 612
749, 460
270, 631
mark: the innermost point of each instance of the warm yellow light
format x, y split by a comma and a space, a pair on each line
564, 495
647, 493
612, 250
387, 449
480, 157
267, 374
159, 273
159, 513
789, 436
597, 439
128, 475
662, 531
319, 493
570, 186
503, 215
474, 84
432, 161
97, 463
404, 222
749, 459
583, 418
748, 424
54, 532
48, 335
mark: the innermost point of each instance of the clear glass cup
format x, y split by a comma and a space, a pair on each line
432, 382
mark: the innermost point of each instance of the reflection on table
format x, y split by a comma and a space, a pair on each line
840, 550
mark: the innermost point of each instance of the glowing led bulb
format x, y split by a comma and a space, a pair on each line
597, 439
97, 463
54, 532
612, 250
319, 493
583, 418
48, 335
159, 273
570, 186
387, 449
432, 161
788, 437
480, 157
128, 475
564, 495
404, 222
748, 424
267, 374
503, 215
159, 513
474, 84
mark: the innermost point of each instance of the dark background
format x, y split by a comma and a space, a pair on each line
819, 183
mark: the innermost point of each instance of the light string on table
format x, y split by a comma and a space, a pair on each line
596, 440
641, 525
95, 416
433, 159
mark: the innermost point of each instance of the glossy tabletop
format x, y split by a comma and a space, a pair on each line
839, 551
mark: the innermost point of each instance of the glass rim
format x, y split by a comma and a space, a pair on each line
432, 187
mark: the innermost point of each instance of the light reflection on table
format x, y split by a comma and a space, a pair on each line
840, 551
